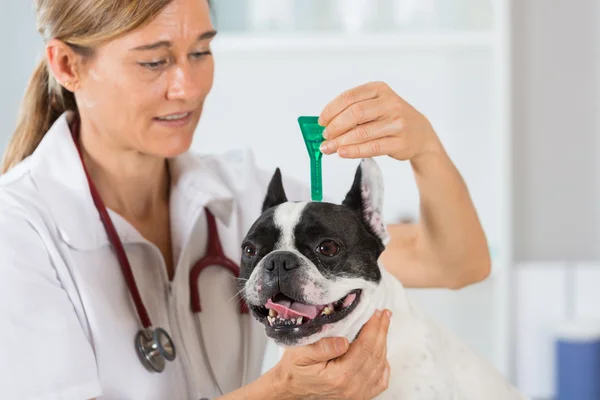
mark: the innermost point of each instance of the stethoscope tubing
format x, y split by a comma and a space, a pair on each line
148, 343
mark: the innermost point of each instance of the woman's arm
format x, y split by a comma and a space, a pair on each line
447, 246
263, 388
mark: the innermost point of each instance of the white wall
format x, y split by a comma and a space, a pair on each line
21, 46
556, 145
557, 179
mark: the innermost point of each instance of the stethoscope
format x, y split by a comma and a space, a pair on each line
153, 345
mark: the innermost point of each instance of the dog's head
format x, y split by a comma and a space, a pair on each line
310, 269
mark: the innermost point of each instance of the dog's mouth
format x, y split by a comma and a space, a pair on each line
285, 316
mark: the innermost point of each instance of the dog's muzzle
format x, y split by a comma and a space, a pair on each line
285, 307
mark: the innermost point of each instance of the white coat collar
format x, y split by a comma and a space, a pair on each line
58, 174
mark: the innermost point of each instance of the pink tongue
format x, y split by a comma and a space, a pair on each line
287, 309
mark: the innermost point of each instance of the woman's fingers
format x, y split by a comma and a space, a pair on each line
376, 344
324, 350
362, 134
370, 340
381, 345
381, 383
362, 347
360, 372
373, 148
351, 129
379, 364
354, 115
346, 99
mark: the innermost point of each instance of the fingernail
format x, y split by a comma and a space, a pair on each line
326, 346
388, 313
325, 147
378, 313
324, 132
386, 374
340, 345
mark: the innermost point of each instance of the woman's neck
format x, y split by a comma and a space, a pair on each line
133, 184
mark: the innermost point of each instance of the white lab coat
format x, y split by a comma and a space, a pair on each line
67, 322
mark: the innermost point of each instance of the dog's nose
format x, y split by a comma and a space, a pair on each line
282, 261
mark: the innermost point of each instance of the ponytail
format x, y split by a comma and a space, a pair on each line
44, 102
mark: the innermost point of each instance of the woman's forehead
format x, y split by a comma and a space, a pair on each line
182, 22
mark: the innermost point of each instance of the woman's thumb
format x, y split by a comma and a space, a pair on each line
323, 350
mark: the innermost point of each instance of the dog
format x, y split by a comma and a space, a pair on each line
311, 270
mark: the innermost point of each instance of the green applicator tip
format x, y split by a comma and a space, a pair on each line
312, 133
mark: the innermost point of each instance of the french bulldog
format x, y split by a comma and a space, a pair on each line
311, 270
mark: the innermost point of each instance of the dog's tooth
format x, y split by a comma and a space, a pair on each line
299, 321
327, 311
272, 313
271, 320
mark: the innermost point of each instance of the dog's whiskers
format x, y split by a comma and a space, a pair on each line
237, 294
231, 276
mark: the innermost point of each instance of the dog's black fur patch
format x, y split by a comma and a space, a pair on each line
358, 248
275, 192
343, 224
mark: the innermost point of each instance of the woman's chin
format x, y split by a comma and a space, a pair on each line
172, 146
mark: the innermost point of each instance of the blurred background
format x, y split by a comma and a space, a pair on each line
512, 88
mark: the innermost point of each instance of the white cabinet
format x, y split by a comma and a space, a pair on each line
448, 58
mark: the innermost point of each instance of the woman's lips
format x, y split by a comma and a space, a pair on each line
175, 120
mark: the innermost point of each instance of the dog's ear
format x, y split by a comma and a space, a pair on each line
366, 197
275, 192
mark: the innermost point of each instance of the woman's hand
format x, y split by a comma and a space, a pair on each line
448, 246
372, 120
332, 369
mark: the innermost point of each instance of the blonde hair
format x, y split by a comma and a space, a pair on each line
81, 24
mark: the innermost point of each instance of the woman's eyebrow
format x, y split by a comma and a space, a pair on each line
165, 43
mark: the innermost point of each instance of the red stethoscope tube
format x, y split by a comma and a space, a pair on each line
154, 345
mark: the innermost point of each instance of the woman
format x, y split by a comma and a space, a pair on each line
113, 106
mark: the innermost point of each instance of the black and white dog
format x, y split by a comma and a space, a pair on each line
311, 270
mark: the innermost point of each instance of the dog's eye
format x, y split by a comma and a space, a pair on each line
249, 250
328, 248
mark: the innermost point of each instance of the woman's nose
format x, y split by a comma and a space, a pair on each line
183, 84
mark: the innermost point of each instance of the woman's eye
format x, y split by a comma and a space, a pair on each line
328, 248
201, 54
153, 64
250, 250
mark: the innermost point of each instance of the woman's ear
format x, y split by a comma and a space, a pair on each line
64, 64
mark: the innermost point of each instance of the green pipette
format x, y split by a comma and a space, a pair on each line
312, 133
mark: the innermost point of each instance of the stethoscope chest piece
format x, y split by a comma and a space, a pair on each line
154, 346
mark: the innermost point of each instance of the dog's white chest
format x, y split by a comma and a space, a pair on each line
429, 363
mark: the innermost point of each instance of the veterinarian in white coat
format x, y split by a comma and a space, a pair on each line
132, 82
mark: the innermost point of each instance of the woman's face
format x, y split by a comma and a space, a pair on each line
145, 91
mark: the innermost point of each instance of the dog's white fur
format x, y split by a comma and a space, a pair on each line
427, 362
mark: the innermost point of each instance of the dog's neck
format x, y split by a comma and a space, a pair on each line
390, 294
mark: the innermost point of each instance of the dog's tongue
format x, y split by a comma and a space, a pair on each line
288, 309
